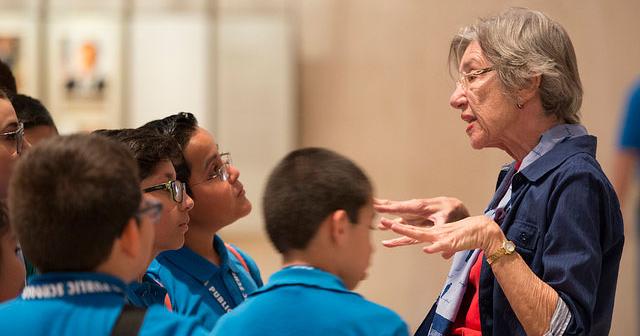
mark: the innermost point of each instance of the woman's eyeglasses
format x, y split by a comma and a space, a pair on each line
467, 78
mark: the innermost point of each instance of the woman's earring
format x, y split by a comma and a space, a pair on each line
519, 105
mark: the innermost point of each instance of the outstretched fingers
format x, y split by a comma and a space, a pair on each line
401, 241
420, 234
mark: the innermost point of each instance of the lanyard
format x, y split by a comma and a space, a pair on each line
219, 298
53, 290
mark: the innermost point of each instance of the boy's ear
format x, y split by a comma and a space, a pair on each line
339, 225
130, 242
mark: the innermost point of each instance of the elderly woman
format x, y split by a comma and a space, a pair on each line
544, 257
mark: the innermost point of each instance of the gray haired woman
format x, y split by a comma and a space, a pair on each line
544, 257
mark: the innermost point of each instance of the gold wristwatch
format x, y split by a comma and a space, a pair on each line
508, 247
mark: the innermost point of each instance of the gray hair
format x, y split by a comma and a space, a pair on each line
522, 44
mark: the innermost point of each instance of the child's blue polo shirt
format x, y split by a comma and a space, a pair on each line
201, 289
82, 304
302, 300
146, 292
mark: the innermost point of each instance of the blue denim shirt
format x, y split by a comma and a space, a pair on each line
566, 223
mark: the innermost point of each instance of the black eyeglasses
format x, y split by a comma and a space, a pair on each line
151, 208
175, 188
17, 135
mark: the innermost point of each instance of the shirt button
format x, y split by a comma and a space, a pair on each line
523, 237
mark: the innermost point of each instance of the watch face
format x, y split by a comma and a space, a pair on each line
509, 246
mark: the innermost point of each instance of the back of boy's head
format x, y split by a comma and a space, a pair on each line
7, 80
31, 112
180, 127
69, 200
307, 186
148, 147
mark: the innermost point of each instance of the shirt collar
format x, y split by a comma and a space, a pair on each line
563, 150
195, 265
115, 285
304, 276
146, 292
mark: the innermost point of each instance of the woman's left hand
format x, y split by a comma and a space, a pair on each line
466, 234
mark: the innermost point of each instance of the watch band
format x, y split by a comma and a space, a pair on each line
507, 248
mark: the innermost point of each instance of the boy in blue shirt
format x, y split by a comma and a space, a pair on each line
76, 205
155, 155
318, 209
206, 278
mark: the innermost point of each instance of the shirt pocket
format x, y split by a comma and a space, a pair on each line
525, 236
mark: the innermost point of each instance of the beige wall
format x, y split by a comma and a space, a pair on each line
374, 85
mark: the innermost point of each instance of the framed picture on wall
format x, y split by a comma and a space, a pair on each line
84, 66
85, 74
17, 49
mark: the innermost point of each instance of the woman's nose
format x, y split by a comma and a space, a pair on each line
458, 99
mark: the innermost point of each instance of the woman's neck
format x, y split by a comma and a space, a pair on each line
526, 135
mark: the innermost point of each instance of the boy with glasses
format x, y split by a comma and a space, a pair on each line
12, 142
37, 121
155, 155
318, 210
206, 278
82, 220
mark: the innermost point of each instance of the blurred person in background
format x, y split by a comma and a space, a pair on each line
544, 257
627, 161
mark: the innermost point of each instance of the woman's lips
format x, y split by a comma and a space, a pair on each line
469, 128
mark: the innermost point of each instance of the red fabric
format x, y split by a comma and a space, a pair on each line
167, 302
468, 320
238, 255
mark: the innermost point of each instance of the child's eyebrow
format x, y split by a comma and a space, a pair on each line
210, 160
11, 124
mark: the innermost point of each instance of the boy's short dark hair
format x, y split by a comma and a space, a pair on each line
307, 186
70, 198
31, 112
7, 80
148, 147
180, 127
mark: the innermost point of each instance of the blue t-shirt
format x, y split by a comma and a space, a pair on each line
82, 304
201, 289
630, 128
302, 300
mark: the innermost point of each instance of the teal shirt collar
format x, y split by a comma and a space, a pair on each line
304, 276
